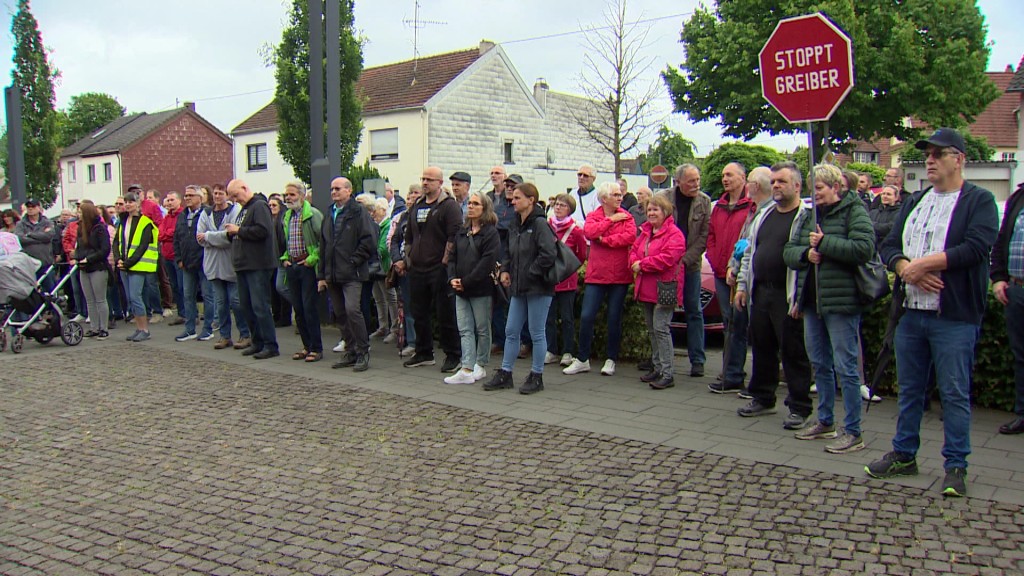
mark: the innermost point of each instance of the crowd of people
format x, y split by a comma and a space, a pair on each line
478, 265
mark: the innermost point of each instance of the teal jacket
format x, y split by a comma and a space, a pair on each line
312, 220
848, 241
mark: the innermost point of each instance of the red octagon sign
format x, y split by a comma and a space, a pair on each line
806, 68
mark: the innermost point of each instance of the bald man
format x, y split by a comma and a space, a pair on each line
252, 255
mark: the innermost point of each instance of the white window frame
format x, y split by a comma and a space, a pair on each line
508, 149
384, 144
252, 157
108, 171
865, 157
1009, 156
91, 169
72, 171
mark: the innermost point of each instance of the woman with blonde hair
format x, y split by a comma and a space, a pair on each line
92, 250
384, 298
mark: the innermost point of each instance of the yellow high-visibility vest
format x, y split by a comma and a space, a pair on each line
149, 259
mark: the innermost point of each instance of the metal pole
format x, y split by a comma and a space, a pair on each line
15, 147
320, 170
814, 208
334, 88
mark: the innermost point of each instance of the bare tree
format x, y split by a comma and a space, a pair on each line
621, 115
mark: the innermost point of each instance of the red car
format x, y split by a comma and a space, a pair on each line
708, 303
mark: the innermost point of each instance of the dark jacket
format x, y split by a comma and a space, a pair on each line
695, 229
882, 217
37, 239
187, 250
426, 242
348, 242
253, 247
531, 251
121, 251
397, 247
848, 241
1001, 250
95, 254
972, 232
473, 260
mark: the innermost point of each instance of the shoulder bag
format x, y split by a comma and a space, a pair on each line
566, 263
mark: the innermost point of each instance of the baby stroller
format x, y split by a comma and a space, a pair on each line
46, 318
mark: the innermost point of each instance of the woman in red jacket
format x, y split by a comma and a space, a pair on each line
655, 257
563, 307
611, 232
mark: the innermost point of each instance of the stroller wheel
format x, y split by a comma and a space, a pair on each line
16, 343
3, 340
71, 333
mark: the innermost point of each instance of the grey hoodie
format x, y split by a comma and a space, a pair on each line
217, 245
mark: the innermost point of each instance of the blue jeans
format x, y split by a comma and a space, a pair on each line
191, 281
833, 346
736, 349
410, 324
254, 288
151, 295
924, 338
694, 317
593, 296
473, 316
134, 286
530, 310
304, 298
223, 293
114, 301
563, 308
81, 306
1015, 331
174, 277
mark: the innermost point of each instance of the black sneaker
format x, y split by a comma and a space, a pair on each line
451, 364
349, 359
697, 371
266, 353
663, 382
955, 483
795, 421
362, 362
534, 383
755, 408
744, 393
419, 360
892, 464
501, 380
103, 335
651, 376
722, 388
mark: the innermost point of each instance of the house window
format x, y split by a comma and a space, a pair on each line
1009, 156
866, 157
91, 169
507, 152
108, 172
72, 173
384, 144
257, 154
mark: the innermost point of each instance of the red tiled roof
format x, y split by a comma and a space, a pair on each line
997, 123
396, 86
1017, 84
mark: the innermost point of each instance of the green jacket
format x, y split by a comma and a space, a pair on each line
382, 245
312, 220
848, 241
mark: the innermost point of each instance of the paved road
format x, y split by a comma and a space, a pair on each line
162, 458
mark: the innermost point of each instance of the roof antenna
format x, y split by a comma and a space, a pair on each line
416, 24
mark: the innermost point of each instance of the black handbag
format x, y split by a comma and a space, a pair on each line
872, 280
566, 263
668, 293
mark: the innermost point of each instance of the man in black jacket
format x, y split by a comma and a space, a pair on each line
1008, 285
252, 255
188, 255
348, 241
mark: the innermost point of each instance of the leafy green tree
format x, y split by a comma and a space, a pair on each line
876, 171
920, 58
802, 159
34, 75
291, 97
670, 150
978, 150
87, 113
750, 155
359, 173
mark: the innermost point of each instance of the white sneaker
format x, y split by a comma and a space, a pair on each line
550, 358
866, 395
479, 373
78, 318
340, 347
390, 338
407, 351
168, 312
814, 388
156, 319
461, 377
609, 368
566, 359
575, 367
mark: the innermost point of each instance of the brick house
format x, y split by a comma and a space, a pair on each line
467, 110
165, 150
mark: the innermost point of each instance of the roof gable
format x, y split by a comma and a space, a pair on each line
263, 120
1017, 84
124, 132
997, 123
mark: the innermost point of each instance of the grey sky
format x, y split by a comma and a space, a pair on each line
152, 56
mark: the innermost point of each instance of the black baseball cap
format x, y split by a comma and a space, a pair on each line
943, 138
462, 177
514, 178
135, 187
31, 202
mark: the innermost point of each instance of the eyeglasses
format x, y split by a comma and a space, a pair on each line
583, 175
430, 179
561, 204
336, 188
475, 203
939, 153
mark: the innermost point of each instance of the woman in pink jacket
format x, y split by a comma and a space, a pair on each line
611, 232
655, 257
563, 307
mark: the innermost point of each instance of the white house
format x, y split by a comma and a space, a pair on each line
468, 110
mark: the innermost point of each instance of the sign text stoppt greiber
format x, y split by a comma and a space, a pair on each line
791, 63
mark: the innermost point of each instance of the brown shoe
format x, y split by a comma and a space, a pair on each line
223, 343
243, 343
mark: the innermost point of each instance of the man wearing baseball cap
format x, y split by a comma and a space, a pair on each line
939, 247
460, 189
36, 233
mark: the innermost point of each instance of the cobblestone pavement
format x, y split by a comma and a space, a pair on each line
197, 466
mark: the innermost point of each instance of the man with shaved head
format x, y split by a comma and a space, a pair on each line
252, 255
434, 220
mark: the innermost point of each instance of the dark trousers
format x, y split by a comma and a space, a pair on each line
302, 282
1014, 313
774, 331
254, 300
429, 294
346, 301
563, 308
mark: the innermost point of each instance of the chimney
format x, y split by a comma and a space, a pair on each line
1009, 68
540, 92
485, 46
190, 105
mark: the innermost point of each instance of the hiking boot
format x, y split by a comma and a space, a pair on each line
697, 371
651, 376
817, 431
451, 364
502, 379
722, 388
349, 359
795, 421
755, 408
664, 381
534, 383
243, 343
955, 483
419, 360
845, 444
223, 343
576, 367
362, 363
892, 464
